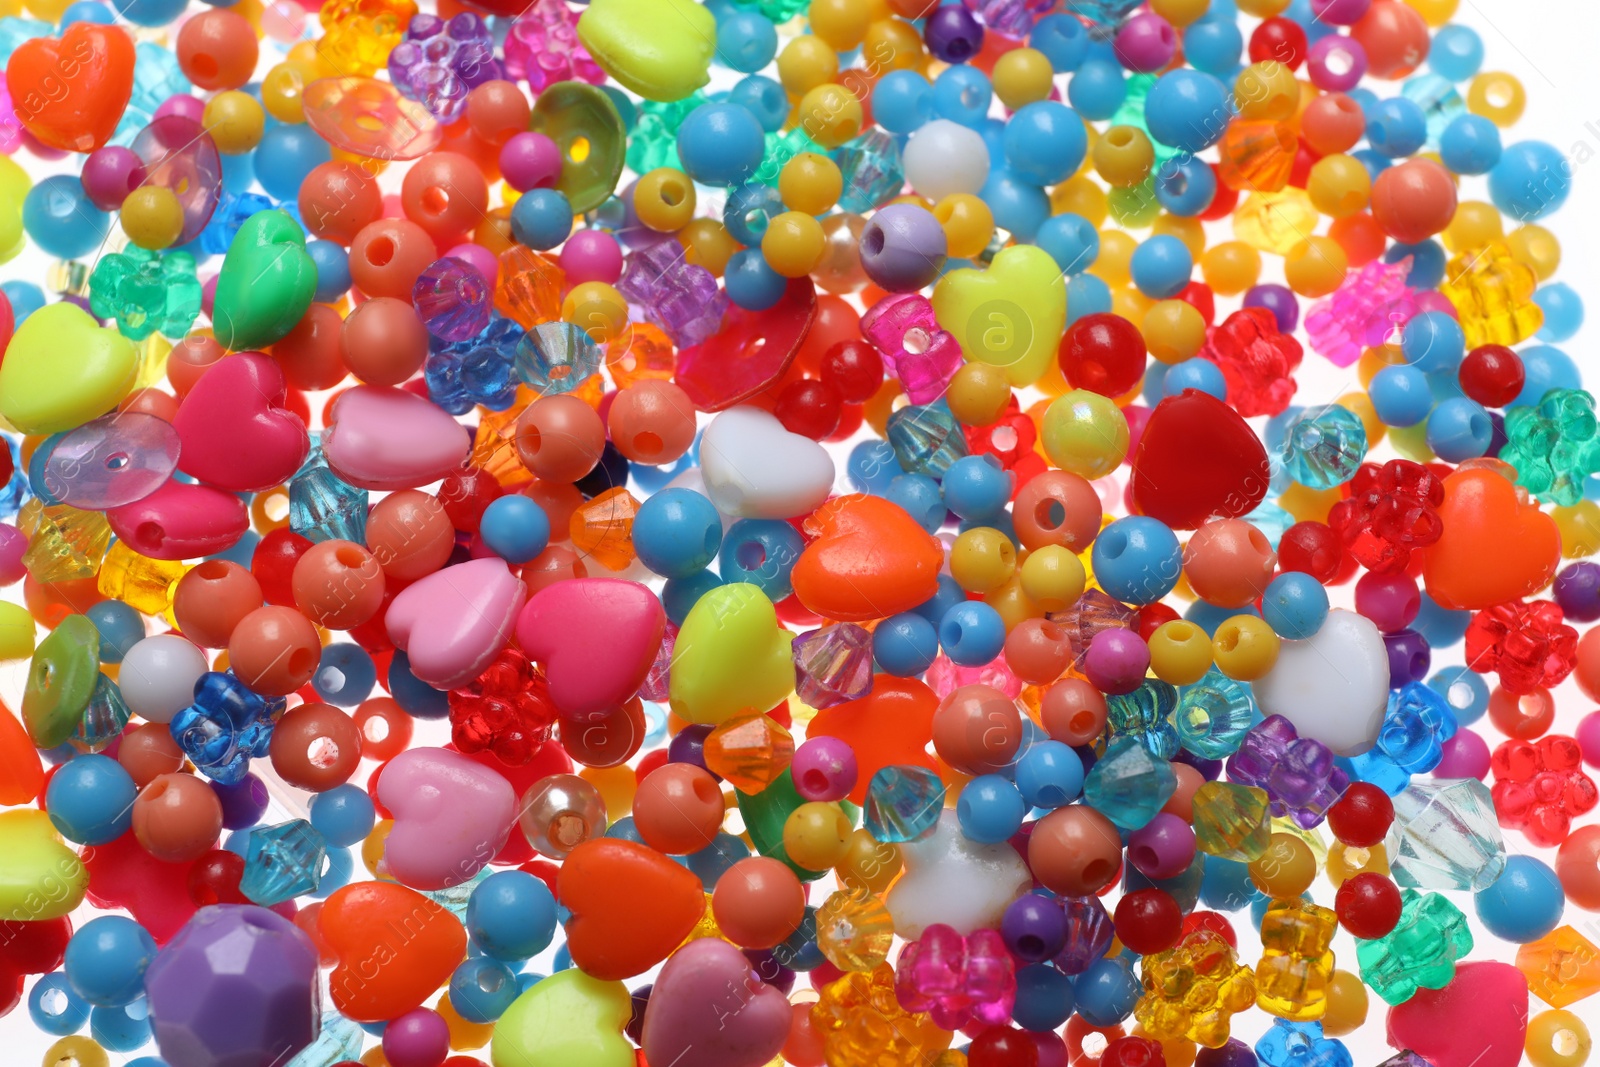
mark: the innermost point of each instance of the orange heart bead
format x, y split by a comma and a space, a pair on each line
21, 773
1495, 547
869, 560
890, 726
71, 93
631, 906
395, 947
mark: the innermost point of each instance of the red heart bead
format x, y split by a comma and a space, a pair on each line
870, 560
1197, 458
1479, 1020
631, 906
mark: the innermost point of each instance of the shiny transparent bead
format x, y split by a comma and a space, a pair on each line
117, 459
283, 862
1143, 715
475, 371
226, 727
926, 439
903, 804
1301, 1044
1089, 933
1085, 617
561, 812
557, 357
1231, 821
452, 299
1323, 446
63, 542
104, 718
680, 297
602, 528
854, 930
1445, 835
1213, 715
1129, 783
339, 1040
139, 581
1420, 952
833, 664
750, 751
872, 171
1415, 726
528, 287
325, 507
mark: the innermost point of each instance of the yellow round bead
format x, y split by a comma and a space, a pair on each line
867, 863
1475, 225
1180, 13
1134, 207
1498, 97
978, 393
1053, 577
1174, 330
1580, 528
967, 222
1011, 603
1245, 648
598, 308
843, 23
1180, 652
1435, 12
1022, 76
1347, 1004
830, 114
893, 44
816, 835
465, 1036
1079, 195
811, 183
235, 121
1346, 861
1266, 92
1557, 1039
1286, 869
707, 243
282, 93
1263, 9
805, 63
1231, 267
76, 1051
982, 559
1116, 253
152, 217
1191, 232
1315, 267
1537, 247
664, 199
616, 785
1123, 156
1129, 303
793, 244
1338, 185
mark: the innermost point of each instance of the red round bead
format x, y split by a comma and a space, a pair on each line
1279, 39
1148, 920
466, 494
1311, 548
809, 408
1492, 375
1002, 1046
1133, 1051
1368, 905
1362, 816
215, 877
1103, 353
273, 562
854, 368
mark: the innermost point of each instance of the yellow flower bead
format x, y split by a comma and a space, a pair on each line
1245, 648
1123, 156
967, 222
1339, 185
982, 559
152, 217
805, 63
598, 308
1498, 97
1180, 652
830, 114
235, 121
664, 199
1557, 1039
816, 835
1053, 577
1347, 1004
978, 393
1315, 267
1174, 330
1286, 869
1022, 76
793, 244
707, 243
1231, 267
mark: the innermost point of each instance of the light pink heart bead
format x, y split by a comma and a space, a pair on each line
380, 438
710, 1009
451, 816
453, 622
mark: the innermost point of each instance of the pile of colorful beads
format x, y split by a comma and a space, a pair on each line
729, 534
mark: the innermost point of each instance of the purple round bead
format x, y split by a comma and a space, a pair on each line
236, 987
1577, 590
1466, 755
1034, 928
1389, 600
242, 804
953, 33
1339, 12
1278, 299
1409, 657
765, 963
1162, 848
1145, 43
1234, 1054
110, 174
418, 1038
902, 248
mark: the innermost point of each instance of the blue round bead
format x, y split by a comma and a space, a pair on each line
541, 218
511, 916
1456, 52
1137, 559
1400, 395
764, 98
962, 94
1428, 262
1433, 341
1186, 186
762, 553
333, 270
972, 633
1563, 311
1294, 605
1531, 180
1524, 903
746, 40
1213, 45
1086, 295
1044, 142
1397, 127
1106, 992
1018, 206
871, 466
750, 281
1544, 368
515, 528
1049, 774
60, 218
677, 532
748, 211
1072, 242
681, 594
87, 11
1161, 266
990, 810
1044, 998
1195, 373
55, 1007
345, 675
416, 697
481, 989
90, 799
1097, 89
949, 595
1470, 145
1464, 690
720, 144
976, 487
120, 627
106, 960
286, 154
1459, 429
344, 815
919, 496
905, 645
1062, 39
121, 1029
902, 101
1188, 109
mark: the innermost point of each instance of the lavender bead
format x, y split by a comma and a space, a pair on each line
1409, 657
1034, 928
1577, 590
953, 33
1297, 772
237, 987
1089, 934
902, 248
1279, 300
1162, 848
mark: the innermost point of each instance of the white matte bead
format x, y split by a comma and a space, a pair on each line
956, 881
755, 469
944, 157
1334, 686
158, 675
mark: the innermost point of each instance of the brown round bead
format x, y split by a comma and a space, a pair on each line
274, 650
410, 535
338, 585
608, 741
309, 354
211, 599
384, 727
1074, 851
559, 438
383, 341
555, 564
217, 49
977, 729
148, 751
176, 817
758, 902
315, 747
496, 110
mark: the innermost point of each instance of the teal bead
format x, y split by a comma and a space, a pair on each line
283, 862
103, 718
1129, 784
926, 439
653, 141
557, 357
1324, 446
1420, 952
1144, 715
1213, 715
872, 170
1555, 446
1446, 835
323, 506
146, 292
903, 804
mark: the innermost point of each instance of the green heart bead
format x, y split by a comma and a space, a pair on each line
1011, 316
566, 1020
40, 877
585, 125
765, 814
266, 283
731, 656
63, 369
61, 681
660, 49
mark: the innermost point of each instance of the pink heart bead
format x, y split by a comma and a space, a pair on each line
710, 1009
1479, 1020
451, 815
235, 432
181, 521
453, 622
596, 639
380, 438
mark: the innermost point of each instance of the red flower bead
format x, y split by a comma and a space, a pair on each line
1539, 787
1391, 510
1528, 645
1257, 360
1133, 1051
506, 710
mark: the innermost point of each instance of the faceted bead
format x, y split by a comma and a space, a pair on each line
1257, 156
854, 930
1420, 952
903, 804
339, 1040
139, 581
945, 677
1213, 715
1144, 715
640, 353
1415, 727
915, 350
602, 528
1296, 960
323, 506
1445, 835
1297, 772
1439, 100
749, 751
1405, 1058
1231, 821
226, 727
872, 171
926, 439
506, 710
1256, 359
1087, 616
861, 1022
103, 719
358, 35
441, 60
1492, 292
1301, 1044
1323, 446
494, 449
61, 681
1364, 312
475, 371
283, 862
528, 288
557, 357
542, 47
1193, 989
679, 296
1090, 931
1275, 221
833, 664
1555, 445
656, 683
1129, 784
64, 543
1563, 967
452, 299
957, 980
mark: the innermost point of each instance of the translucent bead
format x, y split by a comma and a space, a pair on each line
854, 930
1562, 967
61, 681
528, 288
103, 719
680, 297
1369, 305
602, 528
146, 292
114, 460
1439, 100
915, 350
339, 1040
1296, 960
1297, 772
1089, 934
1415, 725
1213, 715
441, 60
1256, 155
1554, 445
1492, 292
871, 168
1420, 952
139, 581
452, 299
358, 35
63, 542
506, 710
957, 980
557, 357
232, 211
833, 664
1087, 616
1129, 784
926, 439
1323, 446
494, 449
542, 47
1301, 1044
653, 141
226, 727
1231, 821
367, 117
903, 804
283, 862
750, 751
1144, 715
1445, 835
1275, 222
640, 353
1193, 989
1105, 12
323, 506
561, 812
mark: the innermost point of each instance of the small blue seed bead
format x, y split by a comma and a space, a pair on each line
762, 553
55, 1007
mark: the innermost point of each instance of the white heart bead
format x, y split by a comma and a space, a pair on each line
1334, 686
755, 469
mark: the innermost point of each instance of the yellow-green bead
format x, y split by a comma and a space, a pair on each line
40, 877
1085, 433
566, 1020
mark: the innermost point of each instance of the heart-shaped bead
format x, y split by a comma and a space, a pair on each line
21, 773
1197, 458
566, 1020
156, 893
40, 877
71, 93
266, 283
1479, 1020
453, 622
1495, 546
383, 438
596, 638
892, 726
451, 816
234, 430
870, 560
394, 946
1011, 315
754, 468
631, 906
1333, 686
731, 656
63, 369
181, 521
661, 49
709, 1008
